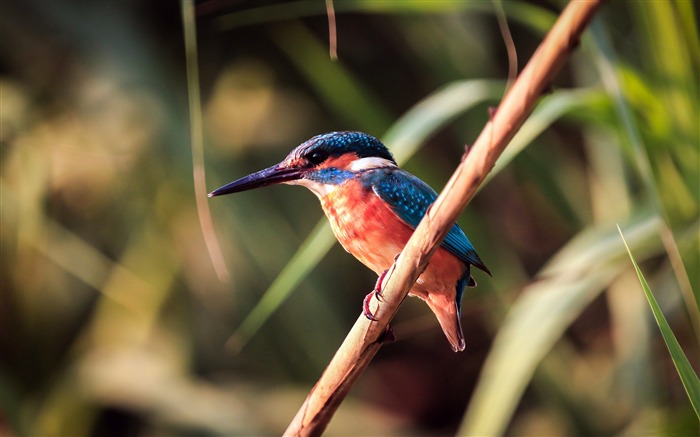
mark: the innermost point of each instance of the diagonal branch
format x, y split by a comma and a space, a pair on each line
365, 337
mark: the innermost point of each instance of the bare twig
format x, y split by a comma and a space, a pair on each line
332, 33
508, 41
364, 340
196, 129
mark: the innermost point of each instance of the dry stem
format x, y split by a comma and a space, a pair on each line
364, 340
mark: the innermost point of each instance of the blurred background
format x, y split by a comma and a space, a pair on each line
121, 316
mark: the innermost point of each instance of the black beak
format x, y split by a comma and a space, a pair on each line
269, 176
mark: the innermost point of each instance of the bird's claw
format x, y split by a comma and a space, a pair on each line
378, 286
365, 306
377, 293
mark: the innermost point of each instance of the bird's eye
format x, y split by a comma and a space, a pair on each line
317, 156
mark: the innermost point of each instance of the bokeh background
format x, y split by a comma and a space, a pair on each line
115, 321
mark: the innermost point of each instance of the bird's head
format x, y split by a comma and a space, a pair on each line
319, 164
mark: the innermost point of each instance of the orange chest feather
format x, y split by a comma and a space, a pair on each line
365, 226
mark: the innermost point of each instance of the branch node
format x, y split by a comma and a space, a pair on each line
387, 336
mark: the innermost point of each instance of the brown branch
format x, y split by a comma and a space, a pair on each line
197, 137
365, 338
332, 33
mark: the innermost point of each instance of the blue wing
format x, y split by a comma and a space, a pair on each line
410, 197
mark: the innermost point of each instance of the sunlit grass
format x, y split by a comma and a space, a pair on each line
685, 370
113, 314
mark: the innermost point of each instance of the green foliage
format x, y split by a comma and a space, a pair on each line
113, 318
685, 370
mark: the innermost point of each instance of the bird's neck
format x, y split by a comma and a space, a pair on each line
326, 180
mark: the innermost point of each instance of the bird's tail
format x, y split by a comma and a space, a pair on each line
448, 315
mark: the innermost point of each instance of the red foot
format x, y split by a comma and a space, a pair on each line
379, 285
377, 292
365, 306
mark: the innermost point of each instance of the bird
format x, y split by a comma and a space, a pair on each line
373, 207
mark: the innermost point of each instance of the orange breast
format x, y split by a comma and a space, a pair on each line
367, 228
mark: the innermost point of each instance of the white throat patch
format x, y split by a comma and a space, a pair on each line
368, 163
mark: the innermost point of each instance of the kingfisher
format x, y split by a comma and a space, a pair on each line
373, 207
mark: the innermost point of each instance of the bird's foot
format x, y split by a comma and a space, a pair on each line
379, 285
365, 306
377, 293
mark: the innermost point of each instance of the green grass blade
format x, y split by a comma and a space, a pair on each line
316, 245
685, 370
542, 313
535, 17
608, 66
670, 193
435, 111
552, 108
338, 87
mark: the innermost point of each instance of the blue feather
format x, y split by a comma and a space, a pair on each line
409, 198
